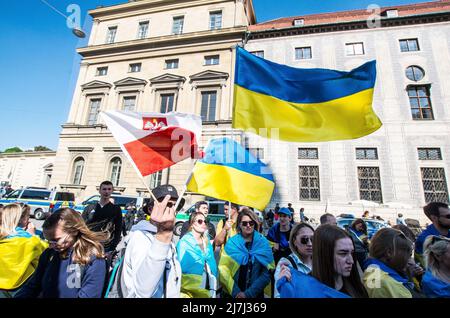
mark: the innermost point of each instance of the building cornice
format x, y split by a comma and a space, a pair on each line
158, 43
28, 154
350, 26
147, 7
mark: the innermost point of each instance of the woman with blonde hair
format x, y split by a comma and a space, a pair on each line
196, 256
74, 266
436, 281
20, 250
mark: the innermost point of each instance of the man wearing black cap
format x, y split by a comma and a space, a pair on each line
151, 268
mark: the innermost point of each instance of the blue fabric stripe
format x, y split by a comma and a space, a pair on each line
300, 85
226, 152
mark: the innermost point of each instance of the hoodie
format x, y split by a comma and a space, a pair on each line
145, 260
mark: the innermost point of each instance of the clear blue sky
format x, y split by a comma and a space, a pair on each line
37, 56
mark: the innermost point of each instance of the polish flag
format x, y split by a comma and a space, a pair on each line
155, 141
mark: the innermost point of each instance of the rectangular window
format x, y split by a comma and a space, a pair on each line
258, 53
434, 185
299, 22
171, 64
143, 30
354, 48
392, 13
111, 36
94, 109
212, 60
409, 45
208, 109
177, 27
129, 103
102, 71
370, 184
167, 101
366, 153
35, 195
215, 20
429, 153
309, 183
257, 152
155, 179
303, 53
419, 100
135, 67
308, 153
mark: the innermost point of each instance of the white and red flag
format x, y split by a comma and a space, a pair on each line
154, 141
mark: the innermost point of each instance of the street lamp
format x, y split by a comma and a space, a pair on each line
78, 32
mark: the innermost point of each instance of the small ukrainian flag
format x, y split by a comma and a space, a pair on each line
306, 105
231, 173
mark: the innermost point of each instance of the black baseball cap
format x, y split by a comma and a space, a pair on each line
161, 191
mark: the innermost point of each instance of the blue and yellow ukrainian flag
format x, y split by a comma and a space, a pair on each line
192, 261
306, 105
231, 173
236, 254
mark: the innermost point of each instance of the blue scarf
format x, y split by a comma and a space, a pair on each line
306, 286
433, 287
260, 250
391, 272
20, 233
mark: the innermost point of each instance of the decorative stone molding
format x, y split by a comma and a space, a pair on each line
209, 78
96, 85
73, 186
130, 81
80, 149
115, 188
167, 81
112, 149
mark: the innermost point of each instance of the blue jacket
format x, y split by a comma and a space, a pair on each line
60, 278
433, 287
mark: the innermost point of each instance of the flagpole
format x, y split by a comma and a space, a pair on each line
185, 187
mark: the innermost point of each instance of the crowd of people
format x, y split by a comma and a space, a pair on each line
102, 254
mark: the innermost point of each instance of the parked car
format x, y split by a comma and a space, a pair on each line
372, 225
119, 199
42, 201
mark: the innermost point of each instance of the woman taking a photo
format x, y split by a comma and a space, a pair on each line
334, 271
198, 265
246, 260
74, 266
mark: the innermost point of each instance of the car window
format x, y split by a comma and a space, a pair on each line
64, 196
14, 195
36, 195
122, 201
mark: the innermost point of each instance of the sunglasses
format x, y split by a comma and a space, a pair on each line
54, 242
200, 221
438, 239
248, 223
304, 240
447, 216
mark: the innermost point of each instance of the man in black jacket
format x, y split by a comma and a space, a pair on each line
105, 216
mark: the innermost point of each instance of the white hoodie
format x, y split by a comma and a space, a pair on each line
144, 263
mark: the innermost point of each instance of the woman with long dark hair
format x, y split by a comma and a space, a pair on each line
74, 265
334, 271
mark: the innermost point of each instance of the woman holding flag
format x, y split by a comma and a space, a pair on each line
247, 258
198, 265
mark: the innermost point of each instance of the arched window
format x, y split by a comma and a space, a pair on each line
415, 73
77, 172
116, 168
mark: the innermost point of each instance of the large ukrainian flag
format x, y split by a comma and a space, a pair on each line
231, 173
306, 105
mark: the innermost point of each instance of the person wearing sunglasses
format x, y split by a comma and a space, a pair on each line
196, 255
74, 265
385, 271
203, 207
300, 259
439, 215
19, 249
436, 281
150, 264
334, 272
279, 234
246, 260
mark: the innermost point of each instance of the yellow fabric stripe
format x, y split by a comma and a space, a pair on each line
348, 117
228, 267
190, 287
19, 258
245, 189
